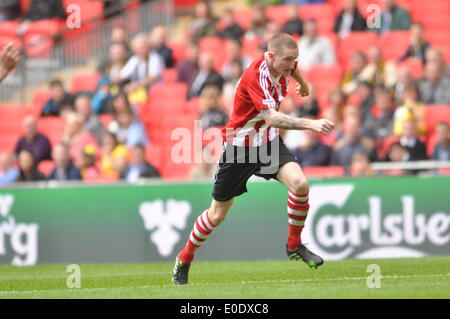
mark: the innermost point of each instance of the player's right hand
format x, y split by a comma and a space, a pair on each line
323, 126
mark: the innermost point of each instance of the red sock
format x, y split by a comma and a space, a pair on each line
297, 211
200, 232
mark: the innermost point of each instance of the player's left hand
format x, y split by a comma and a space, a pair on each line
9, 57
302, 90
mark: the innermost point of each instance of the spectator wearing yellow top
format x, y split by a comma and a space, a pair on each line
378, 71
114, 156
409, 109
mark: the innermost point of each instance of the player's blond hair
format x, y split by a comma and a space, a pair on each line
281, 41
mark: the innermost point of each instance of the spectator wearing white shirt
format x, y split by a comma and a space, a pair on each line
144, 68
314, 48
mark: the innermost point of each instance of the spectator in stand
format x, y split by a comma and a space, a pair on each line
381, 121
138, 167
272, 29
358, 62
28, 171
64, 168
349, 20
8, 170
114, 156
361, 165
130, 132
312, 152
418, 45
235, 54
121, 103
258, 22
366, 99
352, 142
158, 41
397, 153
92, 123
187, 68
111, 68
59, 98
212, 113
310, 106
75, 137
204, 24
294, 25
442, 148
87, 159
379, 72
404, 79
394, 17
33, 141
434, 88
433, 54
231, 29
142, 70
314, 48
102, 98
205, 76
10, 10
410, 109
230, 85
415, 147
337, 100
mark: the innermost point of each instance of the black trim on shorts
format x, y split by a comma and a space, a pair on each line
238, 163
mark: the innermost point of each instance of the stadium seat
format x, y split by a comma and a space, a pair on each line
178, 50
173, 171
214, 46
46, 167
9, 28
105, 119
435, 114
355, 41
169, 76
414, 66
84, 82
277, 14
52, 127
39, 38
13, 112
8, 142
153, 155
184, 4
322, 13
173, 91
5, 39
243, 17
40, 97
324, 171
394, 44
250, 47
388, 141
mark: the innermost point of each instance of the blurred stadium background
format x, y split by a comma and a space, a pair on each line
86, 166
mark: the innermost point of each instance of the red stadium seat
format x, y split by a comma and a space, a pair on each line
277, 14
243, 17
169, 76
174, 171
184, 4
105, 119
324, 171
173, 91
9, 28
52, 127
178, 50
322, 13
388, 141
40, 97
435, 114
46, 167
325, 78
214, 46
394, 44
250, 47
13, 112
8, 142
5, 39
84, 82
39, 38
153, 155
414, 66
355, 41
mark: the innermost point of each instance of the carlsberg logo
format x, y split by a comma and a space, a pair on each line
21, 239
371, 234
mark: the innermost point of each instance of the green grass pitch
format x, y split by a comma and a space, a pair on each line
401, 278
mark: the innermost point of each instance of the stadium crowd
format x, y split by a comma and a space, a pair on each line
378, 103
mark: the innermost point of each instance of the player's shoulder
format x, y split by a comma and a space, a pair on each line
257, 69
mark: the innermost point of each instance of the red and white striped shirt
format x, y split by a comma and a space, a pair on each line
257, 90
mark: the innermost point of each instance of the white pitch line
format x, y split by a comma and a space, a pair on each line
4, 292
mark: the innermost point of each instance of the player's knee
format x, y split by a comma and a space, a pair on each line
299, 186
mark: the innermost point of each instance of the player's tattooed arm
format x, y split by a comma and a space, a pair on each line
283, 121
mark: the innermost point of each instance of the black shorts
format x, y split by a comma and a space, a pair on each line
238, 163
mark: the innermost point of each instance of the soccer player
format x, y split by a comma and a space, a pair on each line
9, 57
252, 146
